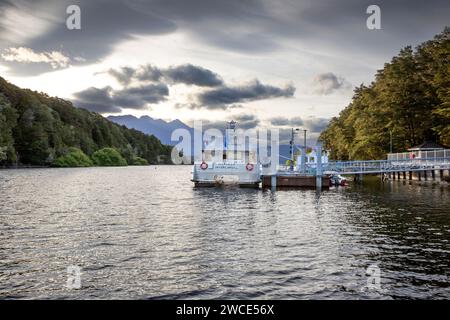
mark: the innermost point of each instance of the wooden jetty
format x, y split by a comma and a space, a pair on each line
294, 181
288, 177
432, 165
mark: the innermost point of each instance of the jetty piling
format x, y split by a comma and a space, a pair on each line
319, 166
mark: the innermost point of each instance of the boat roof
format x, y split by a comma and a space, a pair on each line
427, 145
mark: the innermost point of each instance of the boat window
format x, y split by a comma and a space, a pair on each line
233, 155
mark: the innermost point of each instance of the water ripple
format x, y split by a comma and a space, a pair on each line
143, 233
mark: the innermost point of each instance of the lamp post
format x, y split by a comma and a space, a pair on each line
291, 166
303, 167
304, 138
390, 145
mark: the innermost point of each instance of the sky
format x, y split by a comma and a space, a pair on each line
288, 63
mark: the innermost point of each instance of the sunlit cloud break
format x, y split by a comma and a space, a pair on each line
26, 55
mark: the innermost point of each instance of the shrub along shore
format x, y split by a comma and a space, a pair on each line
106, 157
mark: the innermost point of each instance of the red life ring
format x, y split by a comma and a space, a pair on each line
249, 167
204, 165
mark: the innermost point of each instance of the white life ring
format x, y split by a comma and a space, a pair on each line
204, 165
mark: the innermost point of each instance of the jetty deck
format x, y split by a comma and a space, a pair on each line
294, 181
317, 175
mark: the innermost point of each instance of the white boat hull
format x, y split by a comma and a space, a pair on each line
226, 174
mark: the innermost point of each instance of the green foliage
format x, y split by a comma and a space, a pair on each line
3, 156
36, 129
409, 99
74, 158
138, 161
8, 120
108, 157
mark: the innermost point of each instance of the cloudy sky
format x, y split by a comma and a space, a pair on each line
285, 63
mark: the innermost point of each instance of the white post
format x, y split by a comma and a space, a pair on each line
319, 166
274, 152
273, 181
303, 160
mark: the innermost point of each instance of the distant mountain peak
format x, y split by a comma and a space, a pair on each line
157, 127
176, 121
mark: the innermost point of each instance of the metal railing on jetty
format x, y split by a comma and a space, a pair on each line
372, 166
433, 154
386, 166
432, 161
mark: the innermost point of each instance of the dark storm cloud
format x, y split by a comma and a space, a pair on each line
286, 134
283, 121
249, 121
244, 121
186, 73
311, 124
103, 24
96, 99
148, 73
314, 126
123, 75
194, 105
327, 83
194, 75
144, 85
108, 100
253, 91
139, 97
248, 27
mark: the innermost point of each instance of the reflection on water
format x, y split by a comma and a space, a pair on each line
145, 232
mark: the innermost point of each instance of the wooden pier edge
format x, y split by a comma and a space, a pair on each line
295, 181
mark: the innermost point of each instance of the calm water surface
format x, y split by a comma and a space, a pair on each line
145, 232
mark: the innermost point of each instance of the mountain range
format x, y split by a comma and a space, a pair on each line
157, 127
163, 130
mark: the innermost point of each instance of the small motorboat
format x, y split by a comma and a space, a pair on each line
338, 180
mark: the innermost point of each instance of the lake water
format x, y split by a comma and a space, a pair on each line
145, 232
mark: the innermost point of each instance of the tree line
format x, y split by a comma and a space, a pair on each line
409, 100
36, 129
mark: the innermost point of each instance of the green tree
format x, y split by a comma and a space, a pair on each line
138, 161
108, 157
409, 99
8, 120
74, 158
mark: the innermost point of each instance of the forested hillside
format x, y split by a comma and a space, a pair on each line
36, 129
409, 99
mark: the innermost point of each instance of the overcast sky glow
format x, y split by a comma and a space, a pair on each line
208, 59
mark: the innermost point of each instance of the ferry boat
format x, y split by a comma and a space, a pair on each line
235, 165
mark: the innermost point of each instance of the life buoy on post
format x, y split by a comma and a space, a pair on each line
249, 167
204, 165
